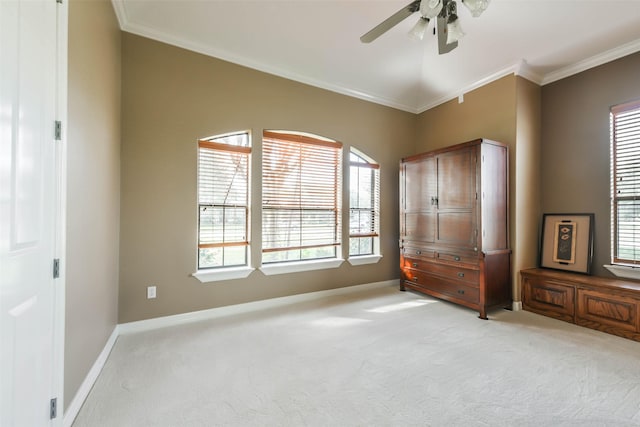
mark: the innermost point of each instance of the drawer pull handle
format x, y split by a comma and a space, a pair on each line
457, 258
415, 278
415, 264
418, 252
460, 291
460, 274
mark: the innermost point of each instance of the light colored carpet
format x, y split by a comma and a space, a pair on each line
374, 358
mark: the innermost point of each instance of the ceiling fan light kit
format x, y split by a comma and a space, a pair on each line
418, 31
447, 28
454, 30
476, 7
430, 8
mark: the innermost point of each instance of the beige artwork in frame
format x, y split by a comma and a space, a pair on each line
567, 242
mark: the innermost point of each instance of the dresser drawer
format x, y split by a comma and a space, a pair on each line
417, 252
455, 289
462, 258
415, 263
471, 277
468, 276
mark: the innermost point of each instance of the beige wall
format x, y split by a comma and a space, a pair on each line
506, 110
525, 203
170, 98
93, 192
575, 147
487, 112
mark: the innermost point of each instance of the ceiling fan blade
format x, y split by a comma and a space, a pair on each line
391, 22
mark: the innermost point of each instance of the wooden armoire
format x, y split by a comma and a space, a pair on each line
454, 224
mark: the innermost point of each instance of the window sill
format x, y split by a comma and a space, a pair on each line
365, 259
624, 271
296, 267
216, 275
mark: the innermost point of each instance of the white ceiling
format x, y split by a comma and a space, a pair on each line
318, 42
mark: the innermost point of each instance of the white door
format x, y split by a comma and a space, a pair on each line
29, 211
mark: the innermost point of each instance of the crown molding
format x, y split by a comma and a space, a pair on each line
520, 68
163, 37
524, 70
594, 61
121, 13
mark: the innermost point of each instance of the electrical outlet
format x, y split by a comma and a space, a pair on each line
151, 292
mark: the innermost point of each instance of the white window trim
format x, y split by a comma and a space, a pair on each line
218, 274
624, 271
222, 272
298, 266
364, 259
621, 267
376, 255
281, 267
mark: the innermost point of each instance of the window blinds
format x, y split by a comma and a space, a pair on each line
301, 195
625, 128
364, 201
223, 197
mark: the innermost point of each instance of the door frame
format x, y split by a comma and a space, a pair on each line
62, 19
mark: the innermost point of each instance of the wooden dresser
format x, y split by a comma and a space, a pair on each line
454, 224
608, 305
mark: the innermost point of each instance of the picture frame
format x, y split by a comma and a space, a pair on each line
566, 242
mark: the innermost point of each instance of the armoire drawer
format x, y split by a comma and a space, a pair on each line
417, 252
462, 258
471, 277
413, 263
455, 289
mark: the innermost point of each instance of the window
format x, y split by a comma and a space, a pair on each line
223, 200
364, 205
625, 187
301, 197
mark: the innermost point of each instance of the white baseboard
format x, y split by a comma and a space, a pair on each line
194, 316
517, 305
74, 407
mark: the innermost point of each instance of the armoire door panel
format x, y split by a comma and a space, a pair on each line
457, 229
456, 180
420, 185
420, 227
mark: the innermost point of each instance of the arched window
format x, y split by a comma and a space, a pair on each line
301, 197
625, 183
223, 200
364, 205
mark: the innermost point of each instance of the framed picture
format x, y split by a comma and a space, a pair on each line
567, 242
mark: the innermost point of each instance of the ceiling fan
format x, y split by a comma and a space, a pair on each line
447, 23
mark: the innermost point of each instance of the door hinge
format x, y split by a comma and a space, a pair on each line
59, 1
56, 268
58, 130
53, 408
